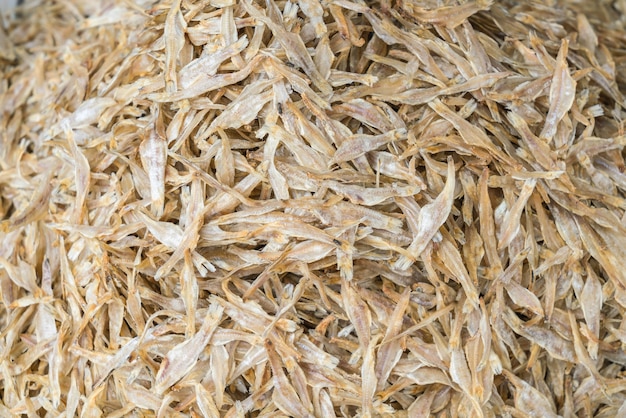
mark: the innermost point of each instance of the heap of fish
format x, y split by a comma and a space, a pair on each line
308, 208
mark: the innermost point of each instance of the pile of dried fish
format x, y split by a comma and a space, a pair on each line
313, 208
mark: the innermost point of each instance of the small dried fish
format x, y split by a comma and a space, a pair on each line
293, 46
370, 196
530, 400
452, 258
429, 219
153, 152
511, 221
314, 11
82, 175
358, 145
358, 312
208, 64
181, 359
562, 94
591, 304
174, 34
555, 345
471, 134
284, 394
389, 352
312, 208
449, 16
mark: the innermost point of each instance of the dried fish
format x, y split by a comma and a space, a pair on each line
314, 11
528, 399
511, 221
429, 219
358, 145
312, 208
562, 94
208, 64
370, 196
450, 16
174, 37
181, 359
153, 151
83, 177
284, 394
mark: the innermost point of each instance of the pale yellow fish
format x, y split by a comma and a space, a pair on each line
529, 400
429, 219
220, 366
470, 133
341, 78
450, 255
206, 84
358, 312
368, 378
390, 34
389, 352
582, 354
554, 344
208, 64
450, 16
153, 152
206, 403
511, 221
562, 94
189, 292
313, 10
292, 45
591, 300
371, 196
174, 34
181, 359
358, 145
345, 26
284, 394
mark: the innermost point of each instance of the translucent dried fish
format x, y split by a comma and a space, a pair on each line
530, 400
511, 221
371, 196
284, 394
181, 359
591, 304
314, 11
358, 145
174, 34
429, 220
153, 152
312, 208
389, 352
450, 16
207, 65
562, 93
